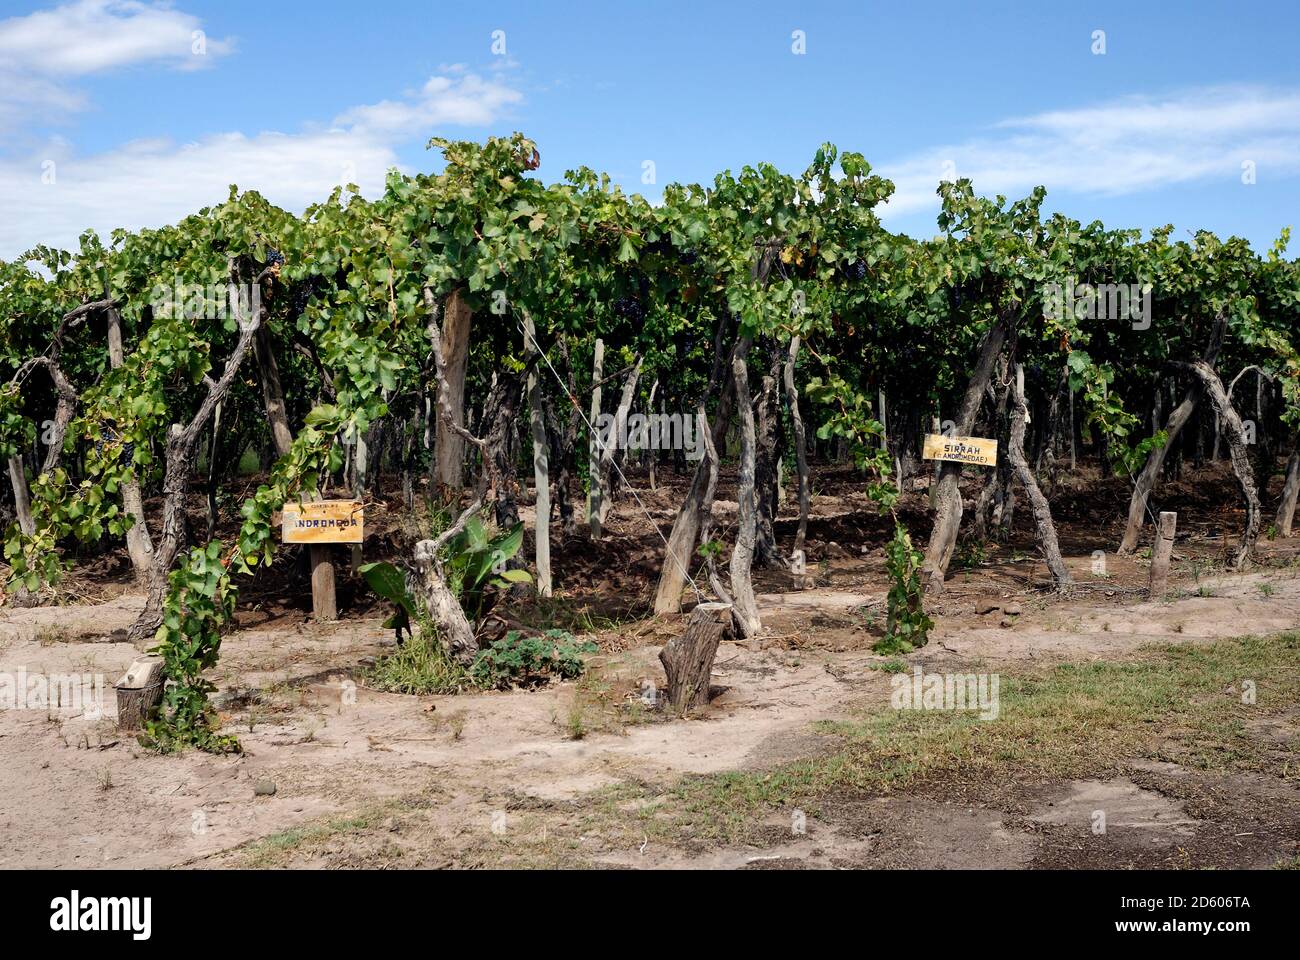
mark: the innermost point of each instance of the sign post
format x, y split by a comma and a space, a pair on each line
978, 451
317, 523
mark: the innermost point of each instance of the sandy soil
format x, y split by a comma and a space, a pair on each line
76, 793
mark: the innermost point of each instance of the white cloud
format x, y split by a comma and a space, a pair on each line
149, 183
21, 96
468, 101
1122, 147
42, 52
93, 35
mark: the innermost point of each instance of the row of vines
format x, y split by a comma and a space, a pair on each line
465, 329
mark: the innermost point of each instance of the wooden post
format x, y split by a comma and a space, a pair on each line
1161, 552
139, 692
688, 659
324, 605
593, 447
541, 469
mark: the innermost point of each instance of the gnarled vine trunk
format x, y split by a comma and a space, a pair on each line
602, 491
1290, 490
1237, 447
947, 494
1178, 419
22, 498
766, 462
449, 446
745, 607
182, 442
800, 448
699, 498
139, 544
1043, 525
443, 607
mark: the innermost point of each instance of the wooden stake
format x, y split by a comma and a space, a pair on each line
541, 470
1161, 552
324, 605
688, 659
593, 448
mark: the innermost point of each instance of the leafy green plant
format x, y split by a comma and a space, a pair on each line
476, 568
971, 553
907, 626
200, 600
520, 660
389, 582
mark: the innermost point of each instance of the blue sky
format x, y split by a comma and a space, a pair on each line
110, 115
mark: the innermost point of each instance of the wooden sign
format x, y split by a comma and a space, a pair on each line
977, 450
324, 521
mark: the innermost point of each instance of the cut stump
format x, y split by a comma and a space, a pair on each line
688, 659
139, 692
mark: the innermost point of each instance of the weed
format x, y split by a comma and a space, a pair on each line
520, 660
456, 722
310, 729
420, 666
576, 722
48, 636
970, 553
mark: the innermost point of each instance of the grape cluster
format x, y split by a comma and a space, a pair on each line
304, 292
856, 271
274, 258
629, 308
109, 437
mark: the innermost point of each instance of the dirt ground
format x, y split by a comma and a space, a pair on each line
548, 776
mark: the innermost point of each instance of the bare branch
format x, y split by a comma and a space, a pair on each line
66, 405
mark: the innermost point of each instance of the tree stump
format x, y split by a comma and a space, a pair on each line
139, 692
688, 659
1161, 552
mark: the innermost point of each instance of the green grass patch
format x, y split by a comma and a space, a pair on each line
1176, 703
420, 666
278, 847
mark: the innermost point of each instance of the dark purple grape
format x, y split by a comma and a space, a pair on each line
629, 309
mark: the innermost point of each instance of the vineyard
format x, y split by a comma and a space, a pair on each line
586, 429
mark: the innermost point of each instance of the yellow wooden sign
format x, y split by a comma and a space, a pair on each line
324, 521
976, 450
